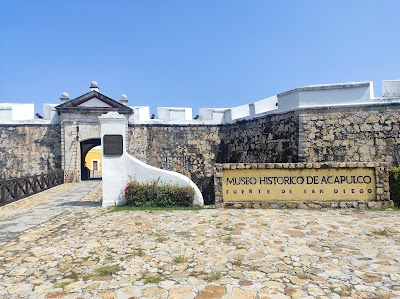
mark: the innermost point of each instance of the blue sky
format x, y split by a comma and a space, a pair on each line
191, 53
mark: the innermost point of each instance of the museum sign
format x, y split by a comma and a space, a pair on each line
299, 184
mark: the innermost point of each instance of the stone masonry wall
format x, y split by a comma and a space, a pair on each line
272, 139
29, 149
190, 150
193, 150
138, 141
354, 134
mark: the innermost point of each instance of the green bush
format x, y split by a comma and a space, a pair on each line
394, 182
158, 195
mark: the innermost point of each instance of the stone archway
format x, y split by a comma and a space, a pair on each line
77, 139
86, 146
80, 128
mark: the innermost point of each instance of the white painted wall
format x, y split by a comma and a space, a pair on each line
21, 111
118, 171
145, 173
266, 105
50, 113
391, 88
337, 96
5, 114
94, 103
240, 111
326, 95
208, 114
288, 102
215, 115
140, 113
174, 113
114, 173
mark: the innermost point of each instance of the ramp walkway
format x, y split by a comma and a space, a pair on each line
19, 216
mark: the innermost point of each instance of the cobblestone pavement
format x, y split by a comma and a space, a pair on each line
84, 251
22, 215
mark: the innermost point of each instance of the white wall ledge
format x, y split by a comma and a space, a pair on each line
327, 87
311, 96
391, 88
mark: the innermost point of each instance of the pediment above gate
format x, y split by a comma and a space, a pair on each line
93, 101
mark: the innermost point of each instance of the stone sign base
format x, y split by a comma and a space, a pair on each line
357, 185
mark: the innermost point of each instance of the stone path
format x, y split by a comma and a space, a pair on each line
85, 251
22, 215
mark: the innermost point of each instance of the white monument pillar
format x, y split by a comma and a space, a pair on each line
119, 167
114, 166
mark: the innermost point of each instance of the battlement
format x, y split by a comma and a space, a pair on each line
324, 96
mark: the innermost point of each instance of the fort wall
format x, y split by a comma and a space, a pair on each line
320, 123
29, 149
351, 134
270, 138
190, 150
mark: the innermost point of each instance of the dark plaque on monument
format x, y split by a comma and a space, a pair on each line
113, 145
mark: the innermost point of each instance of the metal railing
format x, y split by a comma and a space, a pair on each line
18, 188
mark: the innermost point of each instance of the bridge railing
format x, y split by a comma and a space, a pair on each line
18, 188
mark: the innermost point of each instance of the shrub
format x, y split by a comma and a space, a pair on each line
155, 195
394, 182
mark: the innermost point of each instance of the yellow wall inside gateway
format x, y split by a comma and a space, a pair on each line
93, 154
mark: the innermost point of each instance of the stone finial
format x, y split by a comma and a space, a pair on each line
124, 99
94, 86
64, 97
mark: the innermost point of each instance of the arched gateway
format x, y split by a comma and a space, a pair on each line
80, 128
86, 146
